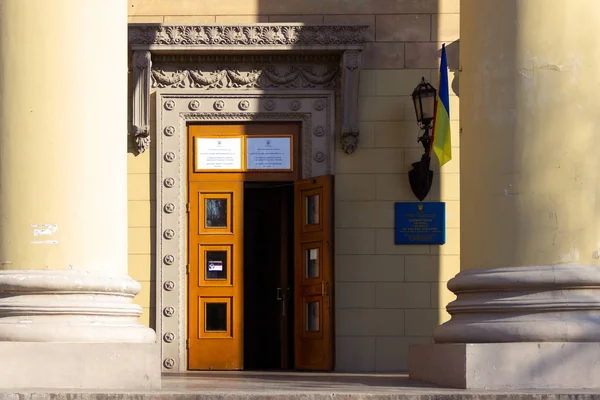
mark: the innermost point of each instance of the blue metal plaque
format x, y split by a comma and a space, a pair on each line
420, 223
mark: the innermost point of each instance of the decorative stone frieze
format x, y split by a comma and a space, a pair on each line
175, 57
244, 36
256, 79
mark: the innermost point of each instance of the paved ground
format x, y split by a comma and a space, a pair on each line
295, 386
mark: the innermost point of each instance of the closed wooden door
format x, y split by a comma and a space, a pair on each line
313, 274
215, 281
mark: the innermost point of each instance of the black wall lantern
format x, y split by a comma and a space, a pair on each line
421, 177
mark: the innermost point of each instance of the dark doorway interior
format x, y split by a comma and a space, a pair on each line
268, 274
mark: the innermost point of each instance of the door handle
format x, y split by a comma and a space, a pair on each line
281, 298
323, 288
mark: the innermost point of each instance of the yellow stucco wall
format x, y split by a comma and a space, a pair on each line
387, 296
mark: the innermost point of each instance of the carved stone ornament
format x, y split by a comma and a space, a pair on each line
319, 105
247, 73
169, 156
295, 105
169, 363
319, 156
244, 105
169, 208
349, 140
170, 104
141, 105
169, 130
277, 35
319, 131
351, 62
194, 105
169, 285
219, 105
270, 105
169, 182
169, 259
169, 337
142, 142
169, 311
156, 64
169, 234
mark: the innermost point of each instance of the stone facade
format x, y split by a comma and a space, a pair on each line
387, 296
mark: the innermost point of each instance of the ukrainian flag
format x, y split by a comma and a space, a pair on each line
441, 120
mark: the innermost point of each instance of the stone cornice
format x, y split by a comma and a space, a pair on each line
247, 37
151, 40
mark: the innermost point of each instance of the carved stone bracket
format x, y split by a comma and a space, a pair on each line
351, 64
142, 65
172, 45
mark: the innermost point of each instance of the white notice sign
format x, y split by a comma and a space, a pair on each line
219, 153
215, 266
268, 153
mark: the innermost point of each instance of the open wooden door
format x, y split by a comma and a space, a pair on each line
313, 274
215, 285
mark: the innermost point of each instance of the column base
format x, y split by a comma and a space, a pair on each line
79, 365
542, 365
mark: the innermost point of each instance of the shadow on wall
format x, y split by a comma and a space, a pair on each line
453, 50
387, 296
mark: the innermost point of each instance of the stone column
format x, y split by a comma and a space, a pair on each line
66, 302
530, 200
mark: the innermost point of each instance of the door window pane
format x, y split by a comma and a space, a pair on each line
312, 316
216, 213
312, 209
216, 264
215, 317
312, 263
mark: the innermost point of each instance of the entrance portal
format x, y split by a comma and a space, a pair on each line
260, 254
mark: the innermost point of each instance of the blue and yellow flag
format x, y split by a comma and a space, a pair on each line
441, 119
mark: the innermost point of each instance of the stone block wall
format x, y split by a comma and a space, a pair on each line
387, 296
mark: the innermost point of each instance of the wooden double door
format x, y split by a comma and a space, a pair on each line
260, 291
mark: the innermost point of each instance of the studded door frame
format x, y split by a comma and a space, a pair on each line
314, 110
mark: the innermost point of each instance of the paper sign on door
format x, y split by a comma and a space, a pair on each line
215, 266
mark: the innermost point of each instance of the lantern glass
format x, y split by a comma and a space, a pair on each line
418, 107
428, 104
424, 102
